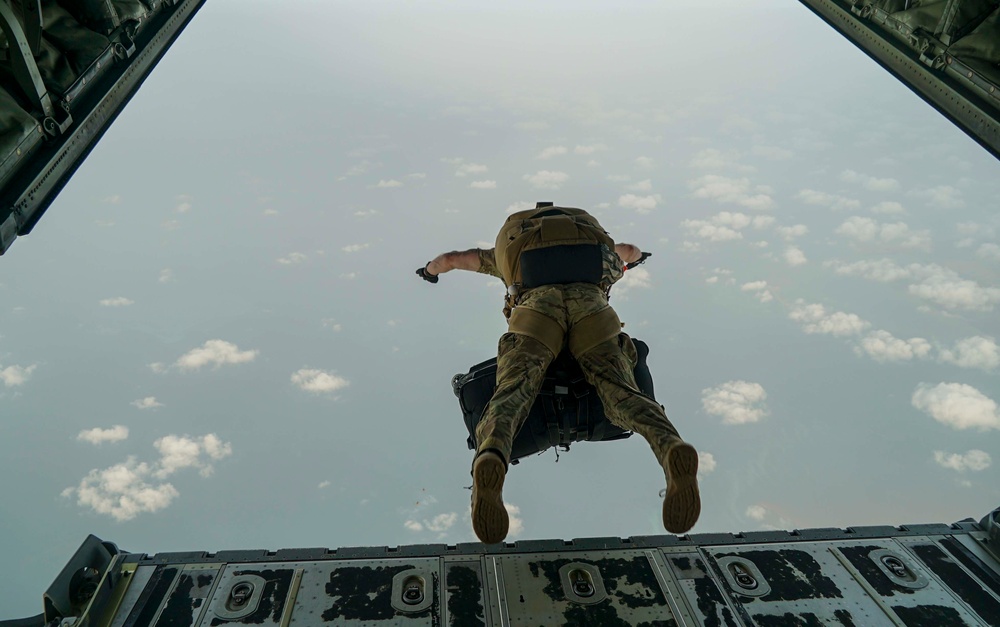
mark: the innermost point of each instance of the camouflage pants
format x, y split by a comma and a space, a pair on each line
522, 362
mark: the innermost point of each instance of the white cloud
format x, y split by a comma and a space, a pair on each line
734, 191
441, 522
973, 352
318, 381
551, 151
756, 512
545, 179
775, 153
635, 278
183, 204
470, 168
521, 205
413, 525
215, 353
869, 182
166, 275
869, 230
516, 526
323, 485
738, 402
114, 199
332, 324
388, 183
291, 258
121, 491
589, 150
815, 319
794, 256
483, 184
353, 248
714, 159
644, 185
706, 464
942, 197
619, 178
881, 270
823, 199
988, 251
724, 226
882, 346
118, 301
888, 207
644, 162
788, 233
642, 204
974, 460
948, 290
13, 376
148, 402
417, 175
178, 452
957, 405
760, 290
97, 435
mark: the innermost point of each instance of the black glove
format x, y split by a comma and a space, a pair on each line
425, 275
642, 259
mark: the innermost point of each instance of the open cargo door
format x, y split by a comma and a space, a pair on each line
67, 68
946, 51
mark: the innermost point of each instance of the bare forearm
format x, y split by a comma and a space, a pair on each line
455, 260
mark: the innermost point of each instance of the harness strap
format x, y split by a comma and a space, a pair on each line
538, 326
593, 330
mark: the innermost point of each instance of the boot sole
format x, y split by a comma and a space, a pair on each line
489, 516
682, 503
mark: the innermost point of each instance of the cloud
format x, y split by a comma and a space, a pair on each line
551, 151
216, 353
642, 204
973, 352
291, 258
589, 150
756, 512
149, 402
417, 175
318, 381
97, 435
470, 168
387, 184
183, 204
353, 248
941, 197
119, 301
714, 159
724, 226
706, 464
516, 527
413, 525
632, 279
760, 290
13, 376
788, 233
178, 452
774, 153
121, 491
619, 178
974, 460
882, 346
931, 282
733, 191
483, 184
888, 207
642, 186
738, 402
823, 199
989, 251
881, 270
643, 162
125, 490
898, 233
794, 256
441, 522
545, 179
957, 405
869, 182
166, 275
815, 319
521, 205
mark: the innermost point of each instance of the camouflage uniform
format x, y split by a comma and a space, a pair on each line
522, 362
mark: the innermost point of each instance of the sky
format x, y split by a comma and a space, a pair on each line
214, 339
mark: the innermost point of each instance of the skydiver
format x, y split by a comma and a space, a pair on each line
559, 265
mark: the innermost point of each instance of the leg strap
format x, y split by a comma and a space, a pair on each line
538, 326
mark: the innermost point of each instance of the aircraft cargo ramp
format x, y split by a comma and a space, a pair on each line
919, 575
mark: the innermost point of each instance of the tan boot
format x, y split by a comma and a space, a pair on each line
489, 516
682, 503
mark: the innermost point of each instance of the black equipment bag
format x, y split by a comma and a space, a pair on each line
566, 409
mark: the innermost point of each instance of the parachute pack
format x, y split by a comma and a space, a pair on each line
566, 410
